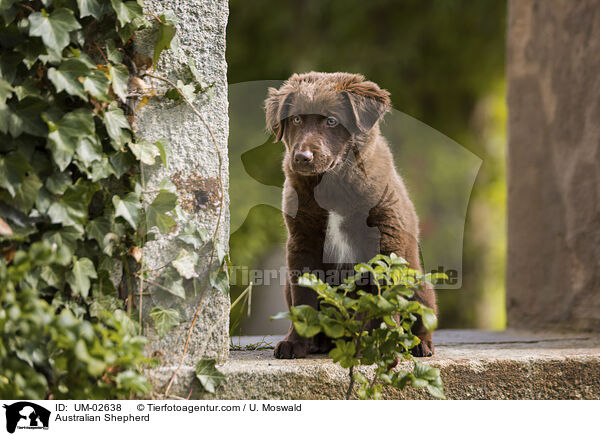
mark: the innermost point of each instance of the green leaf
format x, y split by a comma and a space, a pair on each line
128, 208
166, 32
306, 320
13, 168
65, 241
164, 319
331, 327
156, 213
164, 150
27, 193
5, 90
79, 277
119, 76
344, 353
112, 53
144, 151
185, 264
90, 8
69, 77
96, 84
89, 151
97, 229
219, 280
193, 236
209, 376
72, 207
53, 28
428, 318
117, 125
25, 117
65, 135
126, 11
281, 315
173, 281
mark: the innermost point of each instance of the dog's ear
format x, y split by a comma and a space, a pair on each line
277, 109
367, 103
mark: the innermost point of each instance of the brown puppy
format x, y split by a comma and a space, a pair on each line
343, 201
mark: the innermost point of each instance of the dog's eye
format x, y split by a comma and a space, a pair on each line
332, 122
297, 120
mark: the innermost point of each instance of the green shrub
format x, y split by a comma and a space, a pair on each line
346, 310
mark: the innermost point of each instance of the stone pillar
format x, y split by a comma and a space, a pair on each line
193, 169
553, 68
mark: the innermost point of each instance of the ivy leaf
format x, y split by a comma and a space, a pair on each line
173, 281
72, 207
156, 213
79, 277
219, 280
119, 75
96, 83
69, 76
24, 118
112, 53
66, 243
13, 168
193, 236
97, 229
117, 125
5, 90
65, 135
126, 11
144, 151
164, 319
53, 28
27, 193
89, 150
90, 8
209, 376
166, 32
128, 208
185, 264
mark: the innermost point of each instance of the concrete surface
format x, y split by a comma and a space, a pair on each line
475, 365
553, 76
193, 169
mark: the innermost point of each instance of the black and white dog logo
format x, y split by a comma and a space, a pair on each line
26, 415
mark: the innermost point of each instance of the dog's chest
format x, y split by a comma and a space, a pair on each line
339, 247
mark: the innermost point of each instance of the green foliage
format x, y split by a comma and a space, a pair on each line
71, 200
345, 312
209, 376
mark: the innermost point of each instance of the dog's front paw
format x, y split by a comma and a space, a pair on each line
424, 349
288, 349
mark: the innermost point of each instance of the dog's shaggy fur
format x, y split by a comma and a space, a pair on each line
343, 201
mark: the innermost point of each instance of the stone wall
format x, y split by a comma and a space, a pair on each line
194, 170
553, 69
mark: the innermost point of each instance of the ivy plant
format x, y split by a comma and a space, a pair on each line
72, 214
346, 310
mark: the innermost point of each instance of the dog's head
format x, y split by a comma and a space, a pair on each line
319, 115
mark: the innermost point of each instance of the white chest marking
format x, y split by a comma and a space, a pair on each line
338, 246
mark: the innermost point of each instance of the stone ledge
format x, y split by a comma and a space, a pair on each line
474, 364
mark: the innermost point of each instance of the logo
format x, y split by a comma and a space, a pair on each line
26, 415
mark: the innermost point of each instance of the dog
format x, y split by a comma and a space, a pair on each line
343, 200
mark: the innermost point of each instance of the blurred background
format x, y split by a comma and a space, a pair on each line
443, 62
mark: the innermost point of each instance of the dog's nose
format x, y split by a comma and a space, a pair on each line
303, 156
